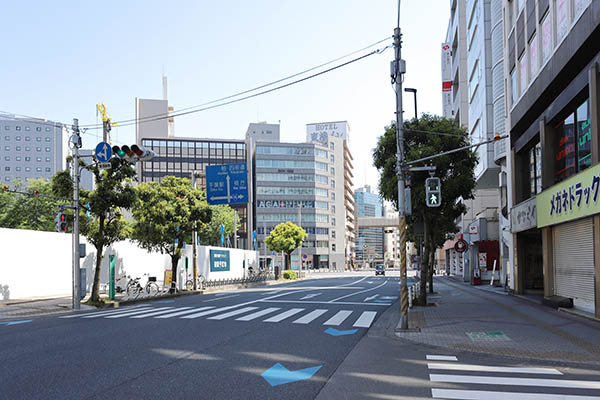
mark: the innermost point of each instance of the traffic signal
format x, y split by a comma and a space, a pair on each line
134, 153
61, 222
433, 192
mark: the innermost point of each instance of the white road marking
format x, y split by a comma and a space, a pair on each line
221, 298
310, 296
208, 312
284, 315
232, 313
494, 380
488, 395
151, 314
258, 314
114, 310
338, 318
176, 314
327, 302
442, 358
102, 314
137, 312
354, 294
311, 316
365, 320
488, 368
371, 297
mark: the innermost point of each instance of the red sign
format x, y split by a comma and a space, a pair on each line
446, 86
460, 246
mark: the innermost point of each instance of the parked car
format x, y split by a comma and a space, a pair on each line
379, 269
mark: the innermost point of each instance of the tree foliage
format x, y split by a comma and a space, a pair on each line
454, 170
101, 220
210, 233
286, 237
32, 210
165, 214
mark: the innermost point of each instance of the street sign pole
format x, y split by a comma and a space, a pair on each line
76, 143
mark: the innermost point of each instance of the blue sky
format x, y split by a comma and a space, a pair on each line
62, 58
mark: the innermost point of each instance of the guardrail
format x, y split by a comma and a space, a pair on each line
238, 281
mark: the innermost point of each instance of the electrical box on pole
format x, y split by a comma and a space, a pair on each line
433, 192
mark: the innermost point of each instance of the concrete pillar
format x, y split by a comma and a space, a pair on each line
548, 261
594, 94
597, 261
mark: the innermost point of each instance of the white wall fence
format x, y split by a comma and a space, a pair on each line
39, 264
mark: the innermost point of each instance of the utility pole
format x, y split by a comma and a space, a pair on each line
106, 124
195, 243
76, 142
399, 68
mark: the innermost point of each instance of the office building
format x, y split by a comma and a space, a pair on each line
369, 242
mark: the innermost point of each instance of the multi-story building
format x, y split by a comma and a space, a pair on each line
470, 65
31, 148
391, 246
369, 243
551, 70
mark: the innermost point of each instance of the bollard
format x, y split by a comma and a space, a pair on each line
410, 297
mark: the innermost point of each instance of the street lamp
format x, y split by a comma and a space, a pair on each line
414, 92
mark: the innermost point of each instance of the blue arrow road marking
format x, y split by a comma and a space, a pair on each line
335, 332
383, 301
7, 323
279, 375
166, 301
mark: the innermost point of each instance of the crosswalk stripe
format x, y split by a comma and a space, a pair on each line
494, 380
311, 316
441, 358
488, 368
176, 314
203, 313
338, 318
284, 315
152, 314
489, 395
137, 312
114, 310
257, 314
96, 315
232, 313
365, 320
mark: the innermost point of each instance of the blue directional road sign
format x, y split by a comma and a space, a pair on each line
103, 152
279, 375
227, 184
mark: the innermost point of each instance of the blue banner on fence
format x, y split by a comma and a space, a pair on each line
219, 260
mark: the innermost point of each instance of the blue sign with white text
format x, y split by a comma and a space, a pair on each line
103, 152
227, 184
219, 260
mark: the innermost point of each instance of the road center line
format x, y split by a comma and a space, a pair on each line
354, 294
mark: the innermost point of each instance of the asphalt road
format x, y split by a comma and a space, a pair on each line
276, 342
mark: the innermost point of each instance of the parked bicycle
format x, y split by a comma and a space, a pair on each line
134, 287
200, 283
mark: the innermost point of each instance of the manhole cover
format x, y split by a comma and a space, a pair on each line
488, 336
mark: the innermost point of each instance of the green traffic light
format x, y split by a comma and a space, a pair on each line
117, 150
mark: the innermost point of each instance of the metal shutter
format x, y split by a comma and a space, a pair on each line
573, 247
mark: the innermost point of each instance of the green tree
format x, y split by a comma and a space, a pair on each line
286, 237
33, 209
210, 233
106, 224
167, 213
454, 170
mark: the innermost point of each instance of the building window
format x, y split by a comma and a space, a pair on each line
17, 128
562, 19
535, 169
513, 86
18, 158
38, 169
7, 168
6, 158
27, 158
331, 158
333, 209
27, 139
332, 196
47, 149
38, 129
27, 169
546, 37
332, 171
18, 148
27, 148
47, 129
18, 169
523, 74
332, 246
533, 56
333, 183
7, 148
38, 139
573, 143
38, 159
27, 128
48, 169
6, 128
331, 145
47, 159
7, 179
38, 149
18, 138
6, 137
333, 234
48, 139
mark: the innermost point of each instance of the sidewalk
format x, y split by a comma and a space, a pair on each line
487, 320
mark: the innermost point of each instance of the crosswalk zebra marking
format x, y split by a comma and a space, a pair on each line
232, 313
496, 380
488, 368
258, 314
107, 313
491, 395
338, 318
152, 314
177, 314
311, 316
365, 320
114, 310
284, 315
138, 312
203, 313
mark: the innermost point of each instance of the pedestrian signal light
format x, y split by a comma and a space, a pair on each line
433, 192
61, 222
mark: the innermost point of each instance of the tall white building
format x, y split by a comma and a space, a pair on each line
31, 148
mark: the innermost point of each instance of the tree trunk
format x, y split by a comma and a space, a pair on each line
174, 261
96, 285
424, 266
288, 261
